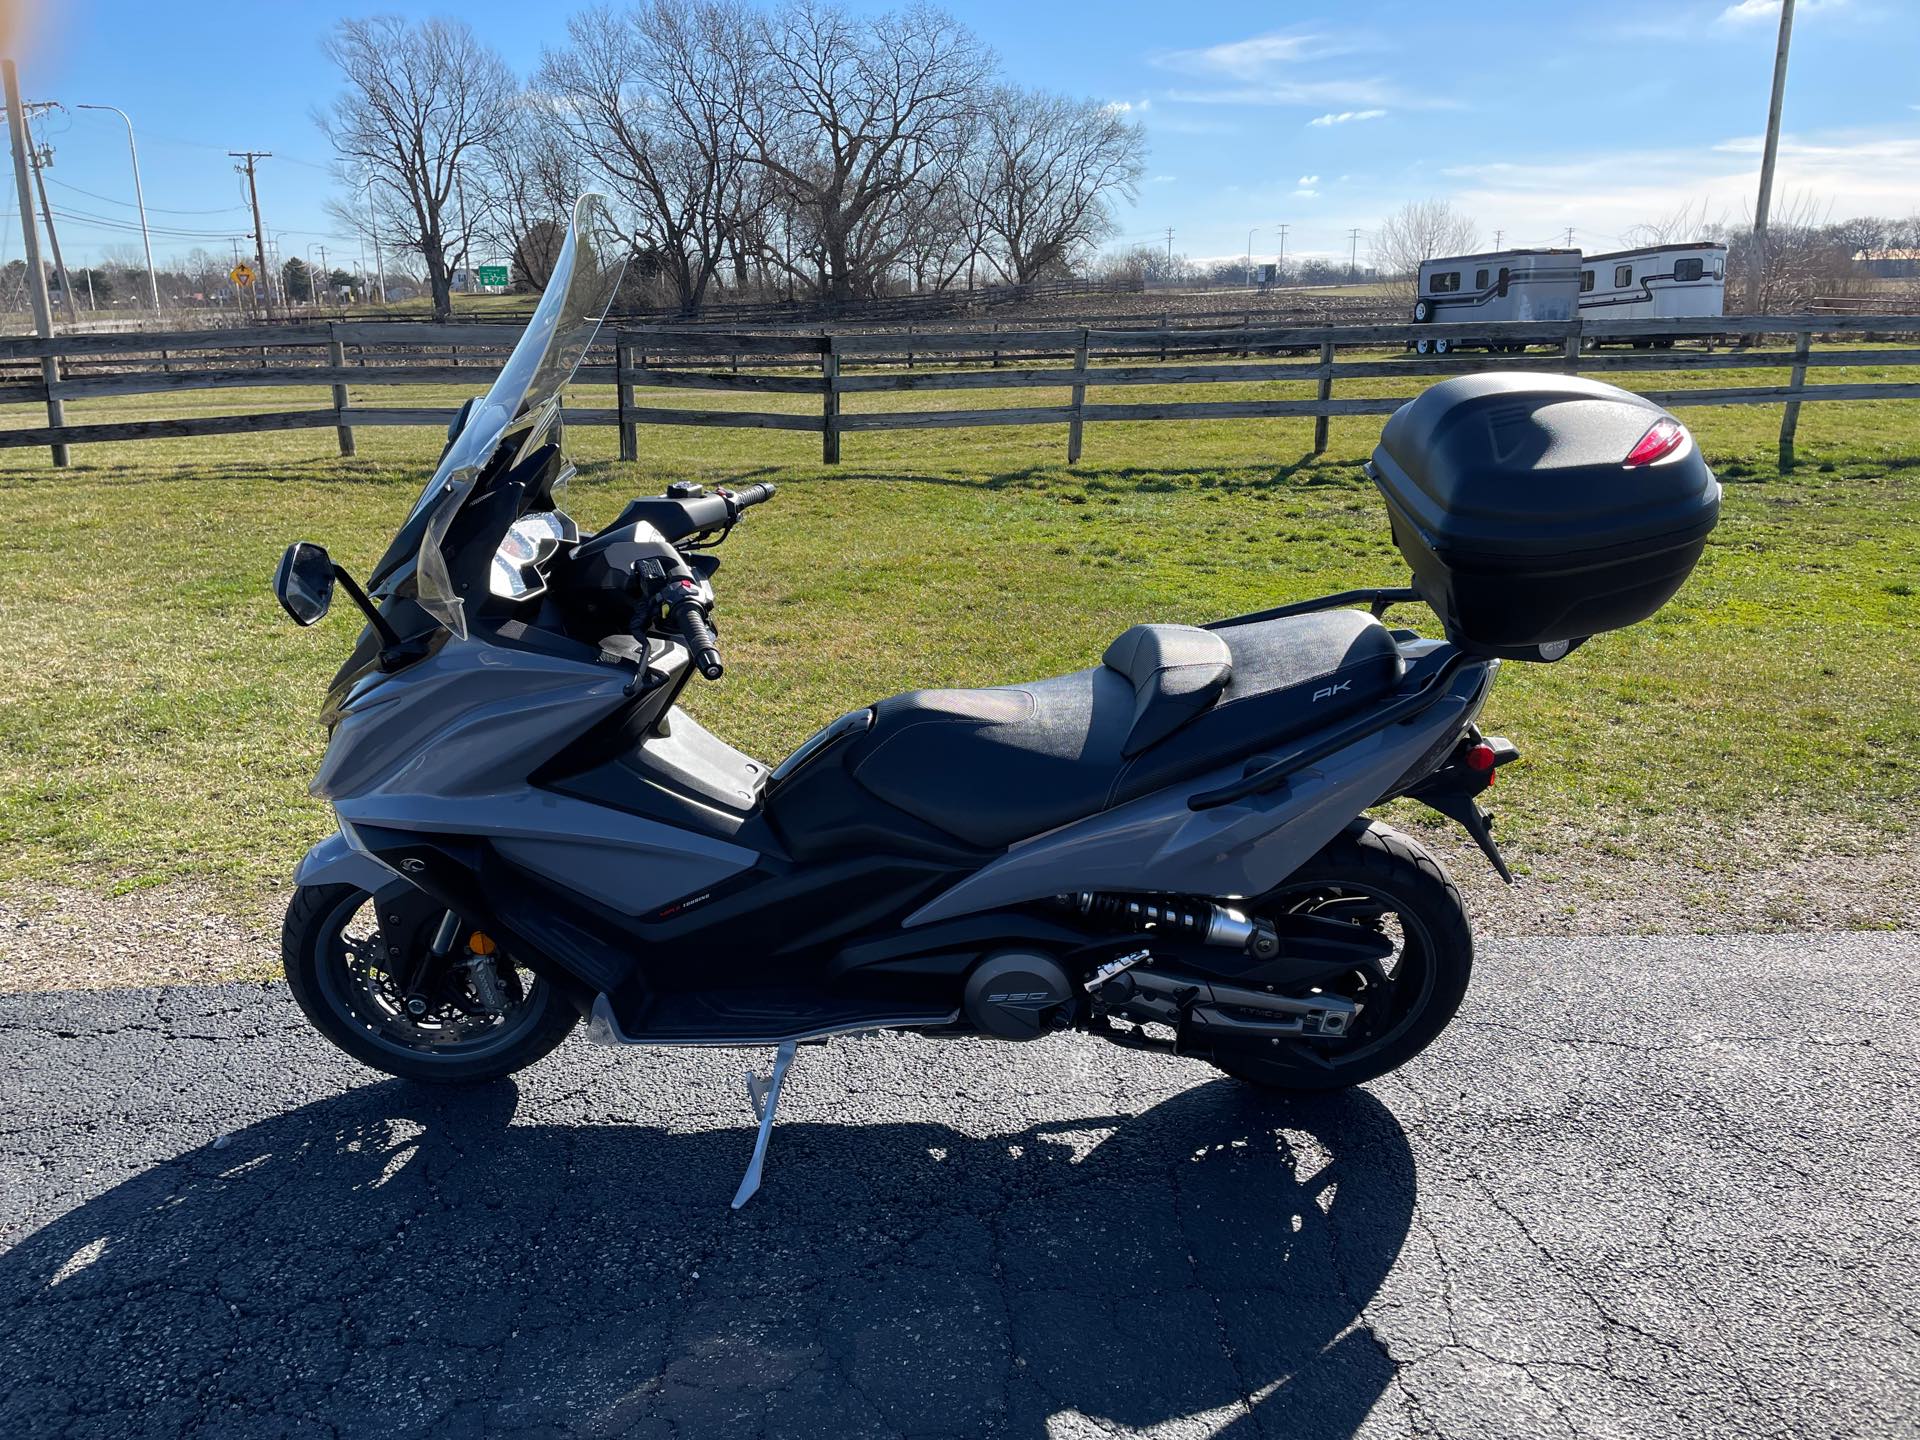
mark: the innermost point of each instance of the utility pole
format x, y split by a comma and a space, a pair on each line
1498, 236
466, 244
1169, 245
1765, 200
36, 276
326, 276
1280, 269
247, 158
1569, 237
43, 157
139, 200
379, 265
1353, 253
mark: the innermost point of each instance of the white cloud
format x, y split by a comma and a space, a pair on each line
1306, 193
1309, 179
1344, 117
1748, 12
1358, 94
1128, 107
1260, 55
1286, 67
1601, 194
1163, 179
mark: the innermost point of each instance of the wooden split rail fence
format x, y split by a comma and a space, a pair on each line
832, 365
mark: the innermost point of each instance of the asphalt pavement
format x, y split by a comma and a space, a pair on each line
1643, 1188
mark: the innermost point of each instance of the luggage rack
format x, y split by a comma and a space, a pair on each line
1377, 599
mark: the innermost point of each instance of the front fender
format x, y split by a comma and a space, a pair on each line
334, 861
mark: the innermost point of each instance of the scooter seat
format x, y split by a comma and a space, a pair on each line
998, 765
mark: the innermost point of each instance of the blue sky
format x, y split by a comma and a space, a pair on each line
1530, 117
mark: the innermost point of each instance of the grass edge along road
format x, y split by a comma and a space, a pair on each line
1746, 754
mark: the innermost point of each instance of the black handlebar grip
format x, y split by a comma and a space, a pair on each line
753, 494
699, 637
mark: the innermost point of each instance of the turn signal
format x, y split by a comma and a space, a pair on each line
481, 943
1665, 437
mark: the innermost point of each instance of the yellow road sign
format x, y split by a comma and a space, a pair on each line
241, 275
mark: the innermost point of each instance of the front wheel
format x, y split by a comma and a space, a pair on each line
481, 1017
1374, 877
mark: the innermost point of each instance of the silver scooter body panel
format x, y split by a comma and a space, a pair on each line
1244, 848
334, 861
446, 746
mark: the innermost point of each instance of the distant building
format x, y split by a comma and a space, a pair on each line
1890, 264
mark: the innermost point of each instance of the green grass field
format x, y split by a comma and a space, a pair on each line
156, 711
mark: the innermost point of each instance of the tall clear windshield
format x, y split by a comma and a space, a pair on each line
520, 407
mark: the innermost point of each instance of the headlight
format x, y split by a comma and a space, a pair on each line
529, 543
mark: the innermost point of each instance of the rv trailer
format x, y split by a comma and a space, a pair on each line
1662, 281
1500, 285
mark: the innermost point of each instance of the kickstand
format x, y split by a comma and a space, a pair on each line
764, 1096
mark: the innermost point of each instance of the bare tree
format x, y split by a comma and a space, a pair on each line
1048, 168
524, 191
1420, 231
1800, 256
1143, 266
645, 94
852, 117
418, 99
1677, 227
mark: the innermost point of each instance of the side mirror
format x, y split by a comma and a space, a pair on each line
459, 421
304, 582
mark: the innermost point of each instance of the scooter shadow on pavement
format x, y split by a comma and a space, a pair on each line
395, 1261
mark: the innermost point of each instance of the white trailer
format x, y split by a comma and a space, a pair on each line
1500, 285
1658, 280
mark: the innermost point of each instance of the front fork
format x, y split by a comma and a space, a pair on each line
1454, 789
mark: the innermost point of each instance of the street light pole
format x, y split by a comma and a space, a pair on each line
139, 200
1250, 234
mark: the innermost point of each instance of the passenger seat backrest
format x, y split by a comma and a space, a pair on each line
1177, 672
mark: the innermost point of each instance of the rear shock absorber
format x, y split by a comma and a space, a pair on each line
1186, 915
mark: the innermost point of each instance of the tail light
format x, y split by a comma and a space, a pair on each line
1665, 437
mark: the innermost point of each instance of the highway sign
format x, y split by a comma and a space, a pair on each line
493, 275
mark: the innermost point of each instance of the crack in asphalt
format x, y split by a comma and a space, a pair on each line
209, 1224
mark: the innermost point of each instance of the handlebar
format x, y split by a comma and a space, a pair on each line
683, 603
751, 494
699, 637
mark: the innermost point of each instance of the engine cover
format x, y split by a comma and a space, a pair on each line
1015, 994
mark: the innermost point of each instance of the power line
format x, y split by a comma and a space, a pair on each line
88, 220
152, 209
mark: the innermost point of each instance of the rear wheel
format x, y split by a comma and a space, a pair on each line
485, 1017
1376, 878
